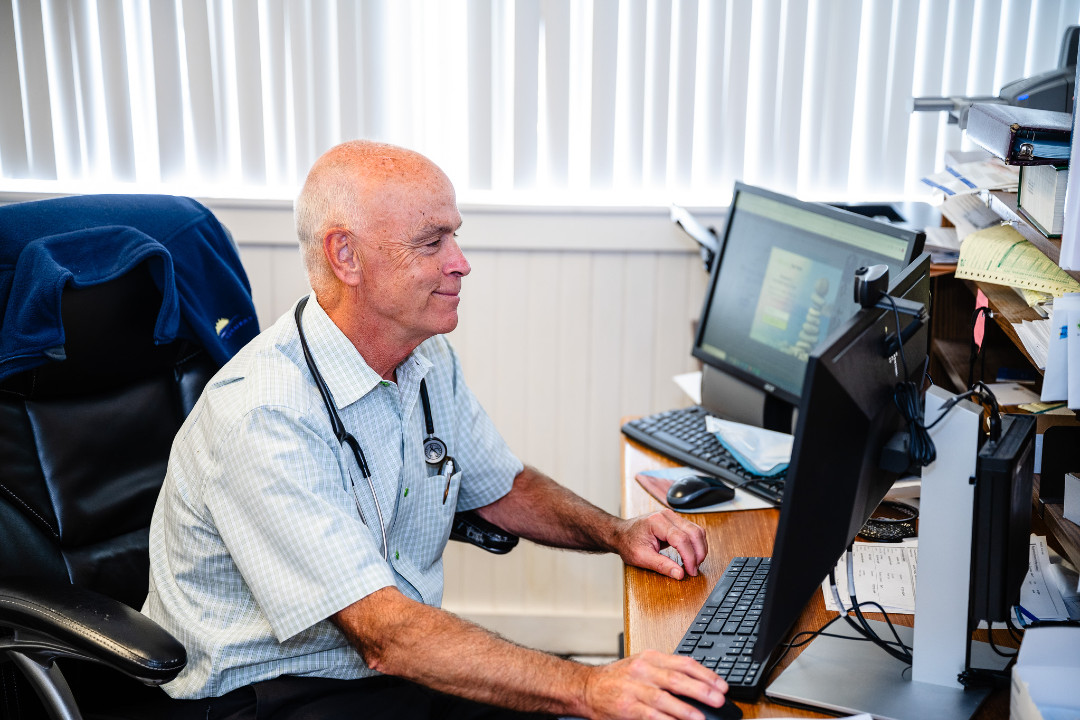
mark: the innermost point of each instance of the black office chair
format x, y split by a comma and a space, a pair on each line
85, 435
83, 449
116, 312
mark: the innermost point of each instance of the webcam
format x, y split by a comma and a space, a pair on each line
871, 283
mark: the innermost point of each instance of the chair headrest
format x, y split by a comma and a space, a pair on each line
108, 341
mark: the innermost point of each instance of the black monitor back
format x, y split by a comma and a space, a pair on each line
835, 481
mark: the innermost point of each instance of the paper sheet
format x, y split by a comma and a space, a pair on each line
1056, 377
1002, 256
1039, 595
884, 573
969, 214
944, 239
1035, 335
970, 177
1012, 393
1072, 372
690, 383
1070, 234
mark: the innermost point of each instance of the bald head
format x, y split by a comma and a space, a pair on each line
351, 187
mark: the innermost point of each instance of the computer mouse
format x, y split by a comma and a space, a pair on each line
695, 491
728, 711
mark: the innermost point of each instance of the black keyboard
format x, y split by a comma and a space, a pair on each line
681, 435
723, 634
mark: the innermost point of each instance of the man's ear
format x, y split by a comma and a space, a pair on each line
341, 256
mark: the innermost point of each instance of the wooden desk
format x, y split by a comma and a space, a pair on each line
657, 610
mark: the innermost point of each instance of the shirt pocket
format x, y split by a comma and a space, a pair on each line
433, 505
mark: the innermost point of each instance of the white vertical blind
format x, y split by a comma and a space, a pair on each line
520, 100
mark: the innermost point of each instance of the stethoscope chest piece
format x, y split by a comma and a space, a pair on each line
434, 450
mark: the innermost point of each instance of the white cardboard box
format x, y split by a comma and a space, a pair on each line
1072, 497
1046, 677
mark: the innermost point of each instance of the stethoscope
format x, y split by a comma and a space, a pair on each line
434, 448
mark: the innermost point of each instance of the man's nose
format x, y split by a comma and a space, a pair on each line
456, 263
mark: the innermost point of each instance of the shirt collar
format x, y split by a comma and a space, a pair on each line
346, 373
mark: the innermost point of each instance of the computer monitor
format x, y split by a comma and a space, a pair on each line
781, 282
835, 480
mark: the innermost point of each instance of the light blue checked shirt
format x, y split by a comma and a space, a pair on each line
256, 539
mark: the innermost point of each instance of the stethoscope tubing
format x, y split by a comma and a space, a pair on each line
435, 451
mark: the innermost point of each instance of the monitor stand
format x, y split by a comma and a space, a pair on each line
730, 398
853, 677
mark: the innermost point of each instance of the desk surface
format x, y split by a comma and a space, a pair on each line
657, 610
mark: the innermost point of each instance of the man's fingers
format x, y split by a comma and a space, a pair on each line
680, 675
686, 537
695, 532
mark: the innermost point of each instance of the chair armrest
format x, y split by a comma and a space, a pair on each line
49, 619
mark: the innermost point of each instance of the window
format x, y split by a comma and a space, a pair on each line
601, 101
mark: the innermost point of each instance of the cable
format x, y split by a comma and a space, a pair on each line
1014, 631
993, 645
863, 625
908, 400
899, 342
811, 635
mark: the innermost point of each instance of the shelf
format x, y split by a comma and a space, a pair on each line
1065, 532
1009, 308
952, 309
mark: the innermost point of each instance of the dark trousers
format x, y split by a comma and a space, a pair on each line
302, 698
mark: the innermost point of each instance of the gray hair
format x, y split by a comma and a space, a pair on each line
328, 199
332, 197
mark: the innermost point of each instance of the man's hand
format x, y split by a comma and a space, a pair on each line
643, 684
641, 539
541, 510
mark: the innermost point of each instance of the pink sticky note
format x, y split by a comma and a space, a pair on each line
980, 321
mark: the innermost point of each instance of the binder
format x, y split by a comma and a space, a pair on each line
1021, 135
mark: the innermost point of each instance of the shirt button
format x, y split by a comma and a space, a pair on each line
406, 492
396, 555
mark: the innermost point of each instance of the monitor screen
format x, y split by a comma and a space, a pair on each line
783, 280
835, 480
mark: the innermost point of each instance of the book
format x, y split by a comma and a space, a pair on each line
1041, 197
1021, 135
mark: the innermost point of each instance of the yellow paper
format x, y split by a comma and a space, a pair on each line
1033, 297
1002, 256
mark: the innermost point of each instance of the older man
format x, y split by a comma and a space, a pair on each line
296, 548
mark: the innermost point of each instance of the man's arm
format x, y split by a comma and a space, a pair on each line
398, 636
541, 510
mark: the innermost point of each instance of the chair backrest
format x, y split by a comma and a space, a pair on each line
84, 442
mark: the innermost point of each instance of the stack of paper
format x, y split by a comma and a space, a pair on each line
1046, 593
974, 176
1002, 256
1035, 335
1062, 378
